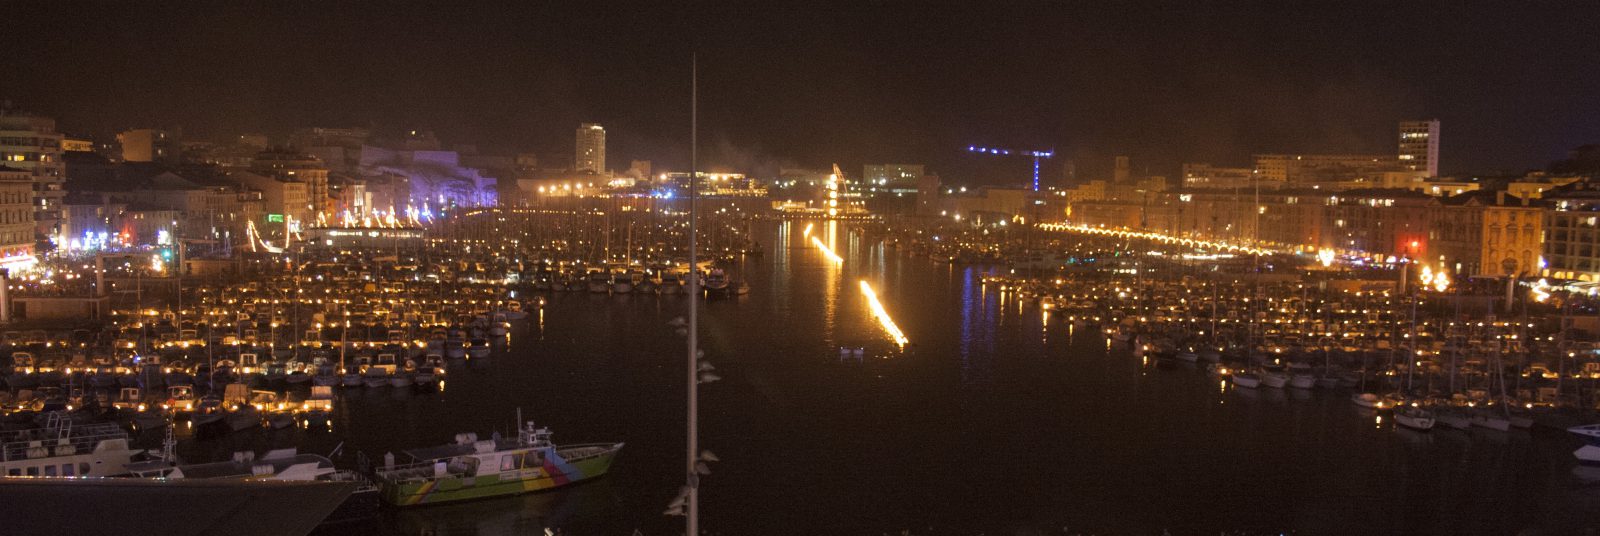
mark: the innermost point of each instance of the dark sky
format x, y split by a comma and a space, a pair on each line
1515, 86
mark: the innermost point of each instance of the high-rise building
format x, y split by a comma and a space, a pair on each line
1419, 146
591, 154
31, 143
149, 145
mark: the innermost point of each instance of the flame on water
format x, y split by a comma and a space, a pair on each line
882, 315
828, 252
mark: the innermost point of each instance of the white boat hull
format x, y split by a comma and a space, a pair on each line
1589, 454
1414, 422
1367, 400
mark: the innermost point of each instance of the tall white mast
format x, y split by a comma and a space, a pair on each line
693, 510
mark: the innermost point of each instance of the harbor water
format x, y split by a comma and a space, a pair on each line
994, 418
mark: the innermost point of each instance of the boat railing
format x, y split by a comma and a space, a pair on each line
82, 442
412, 472
424, 470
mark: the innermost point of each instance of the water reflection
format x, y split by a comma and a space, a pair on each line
830, 288
978, 323
522, 514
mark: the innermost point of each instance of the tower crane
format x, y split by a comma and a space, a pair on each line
1037, 155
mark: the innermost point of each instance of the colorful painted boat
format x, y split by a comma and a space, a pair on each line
474, 469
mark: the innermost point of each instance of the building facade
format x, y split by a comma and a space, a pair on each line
1201, 175
1572, 232
1419, 146
16, 216
1306, 168
149, 145
288, 165
591, 153
31, 143
282, 202
886, 174
1513, 236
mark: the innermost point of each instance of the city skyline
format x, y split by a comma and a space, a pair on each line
1165, 86
289, 269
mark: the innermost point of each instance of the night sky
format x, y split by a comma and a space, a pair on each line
1515, 87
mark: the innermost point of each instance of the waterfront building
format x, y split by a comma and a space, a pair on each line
288, 165
1456, 232
1419, 146
1513, 235
1572, 232
16, 217
86, 222
591, 149
989, 200
32, 144
148, 225
282, 202
349, 193
206, 212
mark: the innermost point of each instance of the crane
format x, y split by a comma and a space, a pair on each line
1037, 155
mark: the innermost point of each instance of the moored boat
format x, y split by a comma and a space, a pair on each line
472, 469
1367, 400
64, 449
1589, 453
1414, 418
1247, 380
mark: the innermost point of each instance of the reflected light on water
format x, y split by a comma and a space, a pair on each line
882, 315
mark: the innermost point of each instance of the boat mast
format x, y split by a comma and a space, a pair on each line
692, 509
